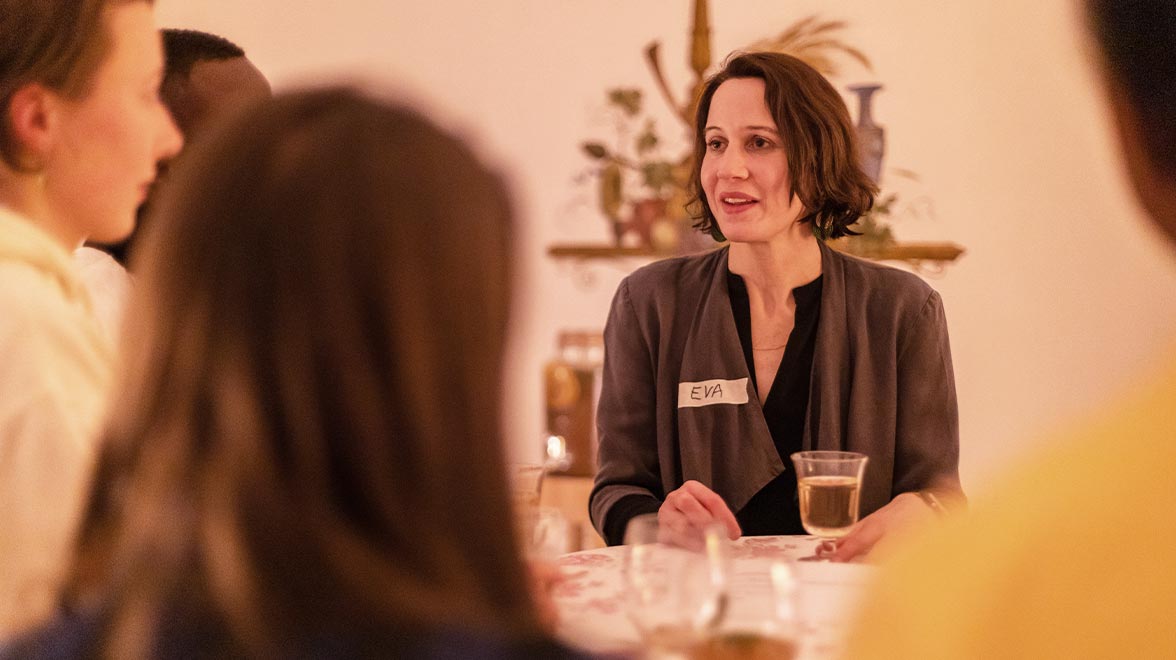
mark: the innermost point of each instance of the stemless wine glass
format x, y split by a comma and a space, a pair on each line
760, 622
675, 583
829, 484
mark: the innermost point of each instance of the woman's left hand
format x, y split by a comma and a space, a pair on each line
544, 577
904, 512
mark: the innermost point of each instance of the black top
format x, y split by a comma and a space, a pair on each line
774, 509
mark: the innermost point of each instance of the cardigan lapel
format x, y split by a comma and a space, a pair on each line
829, 386
743, 459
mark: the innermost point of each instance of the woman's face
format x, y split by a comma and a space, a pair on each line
108, 142
745, 168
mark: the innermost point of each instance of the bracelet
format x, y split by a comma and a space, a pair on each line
932, 502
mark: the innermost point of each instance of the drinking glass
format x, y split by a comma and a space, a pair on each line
552, 536
760, 622
829, 484
526, 484
675, 583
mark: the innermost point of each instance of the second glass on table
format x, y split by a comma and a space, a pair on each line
675, 583
829, 484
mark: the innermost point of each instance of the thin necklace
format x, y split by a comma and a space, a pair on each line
769, 348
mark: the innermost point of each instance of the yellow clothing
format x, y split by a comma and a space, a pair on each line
55, 371
1074, 557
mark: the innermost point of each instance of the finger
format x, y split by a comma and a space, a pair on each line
697, 514
715, 506
689, 520
858, 542
542, 583
670, 519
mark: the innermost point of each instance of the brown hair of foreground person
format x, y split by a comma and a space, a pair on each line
307, 446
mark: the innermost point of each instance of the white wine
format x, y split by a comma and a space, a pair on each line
669, 639
829, 505
743, 646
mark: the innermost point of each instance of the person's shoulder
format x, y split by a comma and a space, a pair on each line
40, 321
875, 275
883, 287
30, 297
1072, 525
674, 273
62, 638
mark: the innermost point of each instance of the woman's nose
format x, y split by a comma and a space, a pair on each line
733, 165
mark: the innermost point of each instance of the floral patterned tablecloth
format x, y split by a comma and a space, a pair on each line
591, 603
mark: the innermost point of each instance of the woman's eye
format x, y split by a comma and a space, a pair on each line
714, 144
760, 143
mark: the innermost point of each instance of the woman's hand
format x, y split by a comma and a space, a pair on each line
904, 512
544, 577
693, 507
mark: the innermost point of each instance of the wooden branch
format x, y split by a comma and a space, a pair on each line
651, 56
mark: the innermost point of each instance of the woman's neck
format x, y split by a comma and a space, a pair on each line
778, 266
24, 194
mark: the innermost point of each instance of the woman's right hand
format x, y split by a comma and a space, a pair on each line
694, 506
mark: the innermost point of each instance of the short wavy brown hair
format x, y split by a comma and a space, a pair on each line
57, 43
819, 140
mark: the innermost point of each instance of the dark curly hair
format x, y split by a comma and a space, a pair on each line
820, 143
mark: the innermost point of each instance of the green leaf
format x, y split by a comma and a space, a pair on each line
611, 191
627, 99
657, 175
647, 140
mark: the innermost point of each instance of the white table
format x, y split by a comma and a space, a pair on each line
593, 617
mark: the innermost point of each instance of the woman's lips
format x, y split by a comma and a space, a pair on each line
734, 203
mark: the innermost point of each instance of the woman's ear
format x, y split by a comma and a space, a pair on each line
32, 120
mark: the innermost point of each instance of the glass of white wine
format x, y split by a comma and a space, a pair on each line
829, 484
675, 584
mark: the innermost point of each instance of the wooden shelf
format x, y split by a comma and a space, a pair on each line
584, 251
911, 252
940, 253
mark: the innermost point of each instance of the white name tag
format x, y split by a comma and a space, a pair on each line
710, 392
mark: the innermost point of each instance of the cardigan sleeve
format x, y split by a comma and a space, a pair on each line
927, 438
625, 422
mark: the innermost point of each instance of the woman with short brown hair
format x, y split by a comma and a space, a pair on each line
719, 366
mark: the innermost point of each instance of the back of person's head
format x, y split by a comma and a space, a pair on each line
55, 43
184, 48
206, 79
206, 76
308, 442
1136, 40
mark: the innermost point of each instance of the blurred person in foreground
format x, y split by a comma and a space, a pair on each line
1073, 556
206, 78
719, 366
81, 132
307, 460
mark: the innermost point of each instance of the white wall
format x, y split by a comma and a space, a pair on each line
1063, 293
